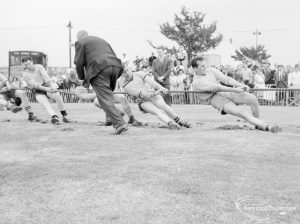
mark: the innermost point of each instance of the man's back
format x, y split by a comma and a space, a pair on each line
95, 54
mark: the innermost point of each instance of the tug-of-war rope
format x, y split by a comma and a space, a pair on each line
167, 92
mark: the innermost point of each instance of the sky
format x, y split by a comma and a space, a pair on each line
41, 25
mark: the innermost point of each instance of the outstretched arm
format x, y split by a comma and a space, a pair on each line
84, 94
154, 84
211, 87
228, 80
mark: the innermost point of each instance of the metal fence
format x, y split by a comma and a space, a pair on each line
267, 97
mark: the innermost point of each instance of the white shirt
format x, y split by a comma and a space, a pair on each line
294, 78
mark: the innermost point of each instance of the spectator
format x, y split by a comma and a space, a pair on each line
281, 77
294, 83
137, 63
177, 80
269, 74
15, 83
161, 69
124, 59
247, 76
151, 59
289, 69
294, 78
259, 78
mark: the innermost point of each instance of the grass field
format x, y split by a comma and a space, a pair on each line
80, 173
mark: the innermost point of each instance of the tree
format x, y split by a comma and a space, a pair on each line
172, 50
258, 54
190, 32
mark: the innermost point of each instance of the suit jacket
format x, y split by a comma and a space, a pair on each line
283, 82
162, 68
92, 56
270, 77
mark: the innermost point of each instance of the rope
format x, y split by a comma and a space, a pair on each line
170, 91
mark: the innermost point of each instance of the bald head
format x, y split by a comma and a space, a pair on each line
81, 34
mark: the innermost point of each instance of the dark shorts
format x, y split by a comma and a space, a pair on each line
140, 102
39, 92
218, 101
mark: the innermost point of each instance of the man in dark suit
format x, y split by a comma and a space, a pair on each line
269, 74
281, 81
151, 59
281, 77
161, 69
97, 64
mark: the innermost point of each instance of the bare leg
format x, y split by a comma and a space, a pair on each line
4, 103
233, 109
25, 101
44, 101
96, 103
125, 105
58, 99
149, 107
246, 98
160, 103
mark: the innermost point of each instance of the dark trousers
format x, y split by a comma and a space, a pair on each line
167, 97
103, 85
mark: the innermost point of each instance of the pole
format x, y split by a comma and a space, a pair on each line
256, 33
70, 43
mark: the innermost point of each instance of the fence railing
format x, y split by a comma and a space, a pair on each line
267, 97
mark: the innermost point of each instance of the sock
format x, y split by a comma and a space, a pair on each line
63, 113
28, 109
177, 120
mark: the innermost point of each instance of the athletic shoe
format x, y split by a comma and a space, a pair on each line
173, 126
15, 109
108, 123
131, 120
66, 119
184, 124
122, 113
121, 129
137, 123
32, 117
55, 120
274, 129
